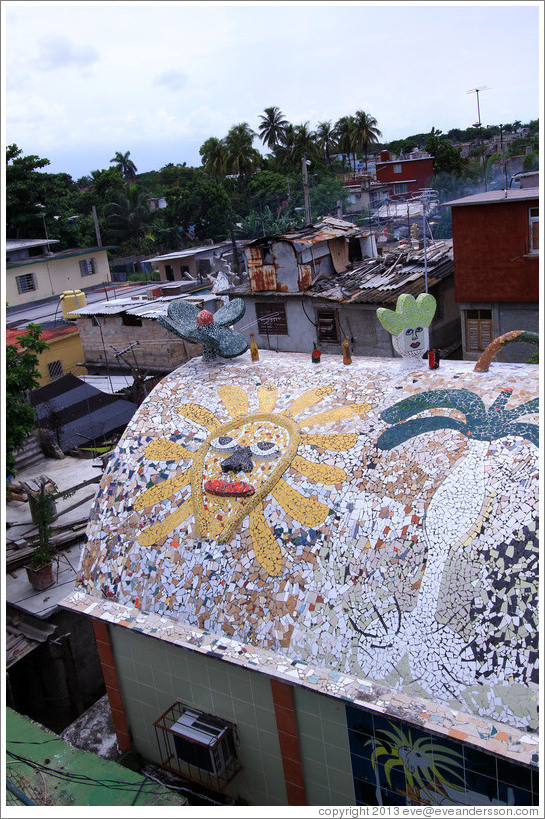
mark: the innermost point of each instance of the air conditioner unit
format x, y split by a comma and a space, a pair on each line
203, 741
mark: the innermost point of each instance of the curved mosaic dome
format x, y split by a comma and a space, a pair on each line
374, 520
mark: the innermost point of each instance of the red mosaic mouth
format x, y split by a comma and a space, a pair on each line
237, 489
415, 344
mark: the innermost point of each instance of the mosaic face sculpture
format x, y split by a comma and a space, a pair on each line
261, 446
409, 324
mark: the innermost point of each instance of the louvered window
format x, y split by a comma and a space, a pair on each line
478, 329
87, 267
55, 369
25, 283
327, 325
271, 319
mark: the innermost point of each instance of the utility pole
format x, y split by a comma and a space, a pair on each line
97, 229
479, 125
308, 217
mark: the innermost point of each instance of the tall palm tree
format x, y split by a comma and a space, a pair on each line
365, 132
125, 165
242, 157
325, 135
129, 214
272, 127
344, 132
214, 156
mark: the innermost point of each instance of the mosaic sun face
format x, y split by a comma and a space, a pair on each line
241, 461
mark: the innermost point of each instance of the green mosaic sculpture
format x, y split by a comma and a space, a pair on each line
409, 323
212, 331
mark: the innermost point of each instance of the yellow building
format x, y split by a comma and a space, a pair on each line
34, 273
63, 355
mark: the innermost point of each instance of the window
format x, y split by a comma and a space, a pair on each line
478, 329
397, 168
401, 187
87, 267
533, 215
326, 325
55, 369
25, 283
271, 319
131, 321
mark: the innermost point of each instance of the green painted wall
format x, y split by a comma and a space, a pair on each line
153, 674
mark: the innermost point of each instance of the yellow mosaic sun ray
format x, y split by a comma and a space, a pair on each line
266, 548
267, 395
322, 473
234, 399
336, 442
150, 536
308, 511
337, 414
307, 400
165, 450
201, 415
161, 491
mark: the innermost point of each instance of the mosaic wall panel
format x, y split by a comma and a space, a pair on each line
397, 764
378, 521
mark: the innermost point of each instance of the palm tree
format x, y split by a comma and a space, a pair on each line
365, 132
125, 165
129, 214
242, 157
344, 132
214, 156
419, 634
325, 135
272, 127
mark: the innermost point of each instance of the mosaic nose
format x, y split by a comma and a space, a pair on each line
240, 460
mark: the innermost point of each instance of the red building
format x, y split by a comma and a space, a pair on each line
405, 176
496, 267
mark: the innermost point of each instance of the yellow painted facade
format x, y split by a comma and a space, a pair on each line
55, 275
65, 349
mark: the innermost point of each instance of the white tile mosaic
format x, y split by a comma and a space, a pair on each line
366, 531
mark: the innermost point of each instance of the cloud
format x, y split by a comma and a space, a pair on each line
58, 51
174, 79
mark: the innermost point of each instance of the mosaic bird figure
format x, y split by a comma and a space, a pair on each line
434, 652
213, 331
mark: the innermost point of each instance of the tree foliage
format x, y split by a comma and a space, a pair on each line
22, 375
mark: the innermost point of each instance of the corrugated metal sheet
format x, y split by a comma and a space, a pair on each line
329, 228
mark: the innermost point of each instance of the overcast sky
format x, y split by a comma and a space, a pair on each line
84, 80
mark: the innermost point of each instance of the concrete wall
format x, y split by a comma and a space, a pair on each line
505, 318
54, 276
68, 350
357, 322
158, 349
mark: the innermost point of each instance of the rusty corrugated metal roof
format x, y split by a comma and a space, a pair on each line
329, 228
380, 280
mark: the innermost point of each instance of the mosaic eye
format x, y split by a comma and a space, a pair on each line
225, 443
264, 449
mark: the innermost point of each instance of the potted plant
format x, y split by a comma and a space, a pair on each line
43, 510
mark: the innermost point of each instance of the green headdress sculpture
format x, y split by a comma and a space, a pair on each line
409, 323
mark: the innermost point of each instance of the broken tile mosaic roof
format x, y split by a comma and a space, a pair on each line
369, 530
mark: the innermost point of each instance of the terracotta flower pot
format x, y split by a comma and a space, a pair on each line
41, 578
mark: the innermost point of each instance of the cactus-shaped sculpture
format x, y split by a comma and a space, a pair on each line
211, 330
409, 324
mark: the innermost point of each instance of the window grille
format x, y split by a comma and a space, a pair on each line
271, 319
55, 369
26, 283
533, 216
197, 745
87, 267
327, 325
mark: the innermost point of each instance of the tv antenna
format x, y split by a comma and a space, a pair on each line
478, 125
